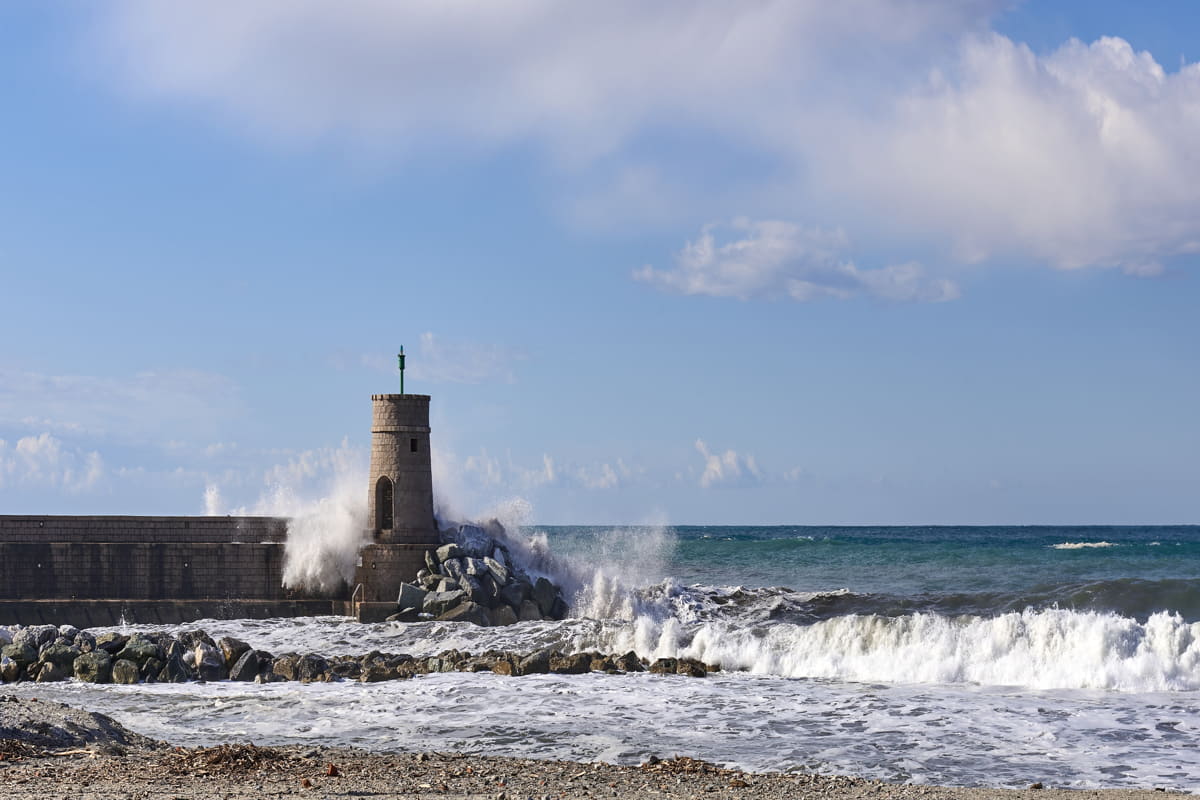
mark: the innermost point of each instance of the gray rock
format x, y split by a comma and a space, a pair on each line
22, 652
111, 642
311, 668
285, 666
431, 561
36, 635
411, 596
498, 570
474, 566
94, 667
560, 609
10, 671
210, 665
191, 638
125, 671
504, 615
437, 603
468, 612
452, 568
245, 668
630, 663
232, 650
63, 655
430, 582
68, 632
500, 555
474, 541
529, 612
52, 673
5, 637
139, 650
445, 553
544, 594
446, 585
151, 670
537, 663
515, 592
574, 664
174, 670
473, 589
85, 641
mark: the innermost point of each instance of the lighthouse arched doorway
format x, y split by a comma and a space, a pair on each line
384, 504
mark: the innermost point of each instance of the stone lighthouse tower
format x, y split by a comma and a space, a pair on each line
400, 499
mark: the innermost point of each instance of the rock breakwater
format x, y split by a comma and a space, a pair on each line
45, 654
473, 577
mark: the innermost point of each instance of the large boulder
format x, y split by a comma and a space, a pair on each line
210, 665
529, 612
245, 668
125, 670
111, 642
68, 632
85, 641
498, 570
10, 671
452, 568
22, 652
411, 596
232, 650
444, 554
537, 663
437, 603
544, 594
311, 668
474, 590
52, 673
36, 635
63, 655
515, 592
285, 666
431, 561
139, 650
5, 637
174, 670
468, 612
94, 667
504, 615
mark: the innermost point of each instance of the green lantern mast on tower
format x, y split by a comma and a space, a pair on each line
400, 356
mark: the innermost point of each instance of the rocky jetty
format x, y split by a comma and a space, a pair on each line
45, 653
472, 577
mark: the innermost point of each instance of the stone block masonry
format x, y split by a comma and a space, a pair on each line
176, 559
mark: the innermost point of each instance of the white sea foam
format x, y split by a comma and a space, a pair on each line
1081, 545
956, 735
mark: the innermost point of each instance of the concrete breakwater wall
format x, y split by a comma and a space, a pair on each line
48, 563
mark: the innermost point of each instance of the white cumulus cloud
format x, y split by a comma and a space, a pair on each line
44, 461
727, 469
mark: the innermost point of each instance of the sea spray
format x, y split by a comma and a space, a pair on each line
321, 494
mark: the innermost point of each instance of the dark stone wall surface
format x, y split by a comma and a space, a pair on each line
141, 558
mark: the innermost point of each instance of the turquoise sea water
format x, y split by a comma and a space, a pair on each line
1133, 571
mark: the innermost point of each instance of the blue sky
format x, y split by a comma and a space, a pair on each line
765, 262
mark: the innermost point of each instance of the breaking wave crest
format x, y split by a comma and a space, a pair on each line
778, 632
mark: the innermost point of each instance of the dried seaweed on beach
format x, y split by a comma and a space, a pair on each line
224, 758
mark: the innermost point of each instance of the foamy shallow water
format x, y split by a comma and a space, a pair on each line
950, 735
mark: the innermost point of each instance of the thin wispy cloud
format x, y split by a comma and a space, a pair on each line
149, 404
772, 259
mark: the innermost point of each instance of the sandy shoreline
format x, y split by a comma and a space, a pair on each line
49, 749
